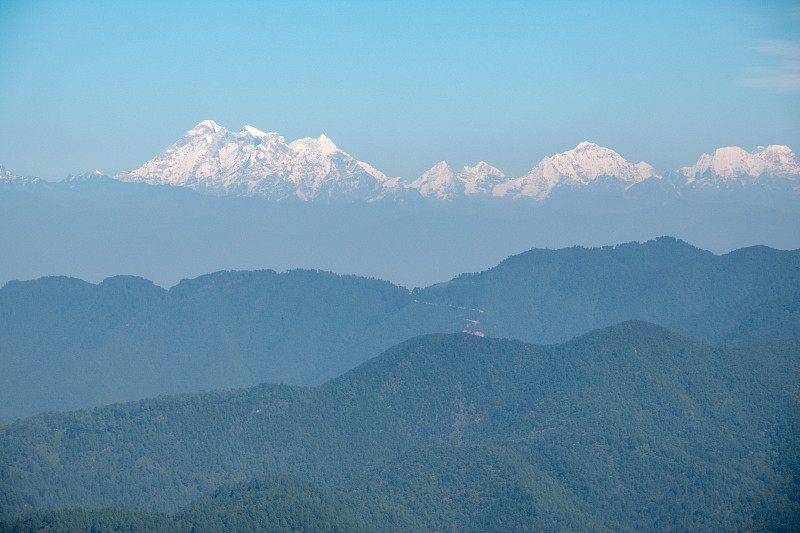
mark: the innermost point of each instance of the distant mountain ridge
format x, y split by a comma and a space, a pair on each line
250, 162
128, 338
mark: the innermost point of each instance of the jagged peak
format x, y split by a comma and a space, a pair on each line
204, 127
209, 124
321, 144
326, 143
441, 165
255, 132
437, 181
482, 167
441, 171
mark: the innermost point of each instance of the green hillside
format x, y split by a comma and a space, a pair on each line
626, 428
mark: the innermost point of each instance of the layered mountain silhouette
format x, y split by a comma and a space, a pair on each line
67, 343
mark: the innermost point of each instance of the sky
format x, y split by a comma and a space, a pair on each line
401, 85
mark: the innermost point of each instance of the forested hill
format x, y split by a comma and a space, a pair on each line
748, 295
67, 344
626, 428
274, 504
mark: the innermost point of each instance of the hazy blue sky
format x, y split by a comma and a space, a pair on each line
401, 85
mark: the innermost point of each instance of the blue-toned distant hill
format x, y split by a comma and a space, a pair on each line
748, 295
629, 428
66, 343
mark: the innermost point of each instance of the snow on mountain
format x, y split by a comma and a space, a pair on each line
443, 183
732, 165
481, 179
438, 182
6, 175
582, 166
86, 176
9, 180
250, 162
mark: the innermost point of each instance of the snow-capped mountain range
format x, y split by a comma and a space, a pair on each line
732, 166
250, 162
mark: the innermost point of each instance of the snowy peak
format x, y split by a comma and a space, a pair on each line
6, 175
205, 127
585, 165
440, 173
322, 146
732, 162
778, 156
86, 176
251, 162
10, 181
481, 178
211, 159
443, 183
588, 161
439, 182
255, 132
482, 169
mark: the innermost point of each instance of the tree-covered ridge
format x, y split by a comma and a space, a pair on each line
627, 428
553, 295
67, 344
271, 504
